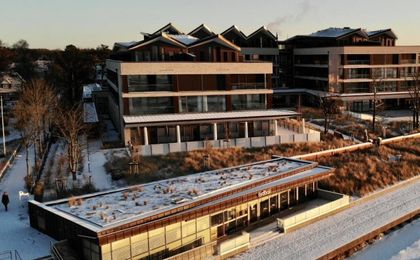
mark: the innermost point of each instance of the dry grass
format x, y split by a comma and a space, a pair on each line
363, 172
178, 164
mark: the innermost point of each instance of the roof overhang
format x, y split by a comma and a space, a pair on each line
197, 118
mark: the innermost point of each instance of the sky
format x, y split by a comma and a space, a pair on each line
54, 24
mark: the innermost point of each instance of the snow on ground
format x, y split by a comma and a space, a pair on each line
412, 252
15, 232
93, 166
401, 244
324, 236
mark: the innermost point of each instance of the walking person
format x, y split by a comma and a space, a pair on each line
5, 200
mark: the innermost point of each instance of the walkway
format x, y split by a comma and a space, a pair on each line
345, 137
15, 232
321, 237
94, 162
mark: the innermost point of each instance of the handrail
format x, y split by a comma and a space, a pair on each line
10, 255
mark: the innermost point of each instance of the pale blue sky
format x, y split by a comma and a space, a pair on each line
88, 23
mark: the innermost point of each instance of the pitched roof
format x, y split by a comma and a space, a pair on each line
202, 28
126, 45
264, 30
184, 38
388, 32
169, 28
219, 39
235, 29
164, 37
333, 32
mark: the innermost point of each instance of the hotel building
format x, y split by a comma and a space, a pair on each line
348, 63
176, 92
193, 216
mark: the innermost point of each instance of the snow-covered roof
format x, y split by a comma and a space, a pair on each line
88, 89
106, 209
164, 118
89, 113
184, 38
126, 44
333, 32
388, 32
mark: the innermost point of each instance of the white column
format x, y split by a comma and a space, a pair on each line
178, 134
276, 130
146, 136
297, 193
215, 131
205, 105
246, 129
303, 126
265, 81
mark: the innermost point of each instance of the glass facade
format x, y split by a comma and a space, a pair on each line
249, 102
385, 73
140, 83
151, 105
191, 104
182, 236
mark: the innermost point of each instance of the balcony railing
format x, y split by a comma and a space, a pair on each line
359, 76
252, 85
358, 62
408, 61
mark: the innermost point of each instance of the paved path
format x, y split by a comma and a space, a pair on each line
346, 137
15, 232
94, 166
321, 237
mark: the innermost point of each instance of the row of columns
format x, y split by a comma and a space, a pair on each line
178, 132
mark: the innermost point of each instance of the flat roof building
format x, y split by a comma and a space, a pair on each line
174, 216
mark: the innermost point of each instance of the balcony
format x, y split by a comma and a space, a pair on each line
253, 85
189, 68
359, 76
358, 62
408, 61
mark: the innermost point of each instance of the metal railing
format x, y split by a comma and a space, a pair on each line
251, 85
10, 255
358, 62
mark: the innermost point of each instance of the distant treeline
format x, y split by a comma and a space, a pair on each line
67, 71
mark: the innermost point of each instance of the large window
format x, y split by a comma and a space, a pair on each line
151, 105
138, 83
248, 102
382, 73
193, 104
361, 73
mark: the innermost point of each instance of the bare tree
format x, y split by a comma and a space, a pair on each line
414, 90
27, 132
34, 113
377, 104
329, 106
71, 126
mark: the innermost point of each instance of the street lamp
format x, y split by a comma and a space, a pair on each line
2, 125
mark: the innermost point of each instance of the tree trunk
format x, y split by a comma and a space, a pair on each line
325, 125
73, 173
27, 161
